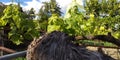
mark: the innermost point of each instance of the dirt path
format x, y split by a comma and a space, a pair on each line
115, 53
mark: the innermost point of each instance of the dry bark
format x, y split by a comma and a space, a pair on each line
59, 46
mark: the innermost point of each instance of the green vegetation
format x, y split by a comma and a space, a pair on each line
100, 18
46, 12
20, 58
20, 28
95, 18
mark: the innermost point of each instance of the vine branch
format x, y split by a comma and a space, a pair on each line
105, 38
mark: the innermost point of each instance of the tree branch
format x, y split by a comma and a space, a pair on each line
7, 49
106, 38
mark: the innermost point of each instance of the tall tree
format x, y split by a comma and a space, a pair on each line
31, 14
46, 12
2, 7
74, 8
48, 9
54, 7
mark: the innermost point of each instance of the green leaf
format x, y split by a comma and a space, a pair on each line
53, 28
16, 38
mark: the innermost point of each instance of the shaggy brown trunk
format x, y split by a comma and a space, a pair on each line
59, 46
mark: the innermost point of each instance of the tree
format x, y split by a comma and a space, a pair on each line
103, 20
110, 7
55, 23
100, 22
48, 9
107, 14
54, 7
46, 12
31, 14
20, 28
2, 7
74, 8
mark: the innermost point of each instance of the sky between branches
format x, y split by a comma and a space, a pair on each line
36, 4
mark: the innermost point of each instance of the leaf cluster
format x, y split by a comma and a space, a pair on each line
20, 28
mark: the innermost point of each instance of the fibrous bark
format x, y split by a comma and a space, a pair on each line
59, 46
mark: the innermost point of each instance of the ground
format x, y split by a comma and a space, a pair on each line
115, 53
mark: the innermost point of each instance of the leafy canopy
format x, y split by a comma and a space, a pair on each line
102, 17
20, 28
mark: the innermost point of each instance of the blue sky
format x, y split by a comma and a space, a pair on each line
13, 0
36, 4
21, 1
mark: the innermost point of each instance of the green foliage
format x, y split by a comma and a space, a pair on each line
20, 58
31, 14
74, 24
96, 43
2, 7
101, 18
54, 7
73, 9
20, 28
42, 26
45, 14
48, 9
103, 7
97, 21
55, 23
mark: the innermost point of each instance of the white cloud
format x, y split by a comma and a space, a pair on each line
36, 4
33, 4
8, 3
63, 4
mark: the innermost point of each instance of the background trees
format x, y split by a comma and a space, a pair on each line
101, 21
100, 18
2, 7
107, 15
31, 14
20, 28
98, 21
46, 12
